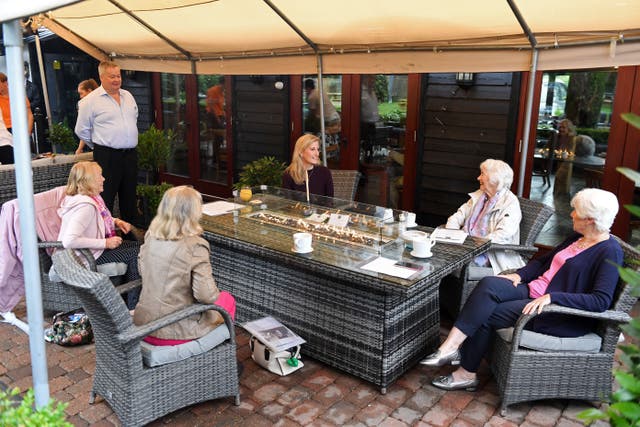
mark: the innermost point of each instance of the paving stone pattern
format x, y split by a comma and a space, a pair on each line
316, 395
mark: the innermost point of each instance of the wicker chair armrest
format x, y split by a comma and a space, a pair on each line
85, 253
129, 286
609, 316
137, 333
528, 250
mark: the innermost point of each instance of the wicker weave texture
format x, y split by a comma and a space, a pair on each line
345, 183
136, 393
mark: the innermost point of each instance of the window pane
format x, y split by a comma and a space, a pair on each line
383, 116
571, 139
332, 87
173, 115
211, 113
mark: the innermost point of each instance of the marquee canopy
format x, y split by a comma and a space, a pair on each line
353, 36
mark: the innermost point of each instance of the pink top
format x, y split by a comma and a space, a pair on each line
538, 287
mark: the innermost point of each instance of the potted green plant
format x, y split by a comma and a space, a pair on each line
17, 413
61, 138
149, 196
154, 149
264, 171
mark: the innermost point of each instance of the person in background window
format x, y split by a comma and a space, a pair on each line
368, 111
175, 267
566, 144
579, 273
5, 106
331, 117
305, 162
84, 88
215, 105
6, 144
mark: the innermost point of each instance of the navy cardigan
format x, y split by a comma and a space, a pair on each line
587, 281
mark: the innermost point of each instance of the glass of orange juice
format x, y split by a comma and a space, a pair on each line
245, 194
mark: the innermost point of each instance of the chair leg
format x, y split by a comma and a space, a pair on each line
92, 397
237, 399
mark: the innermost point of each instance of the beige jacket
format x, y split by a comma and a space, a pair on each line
176, 273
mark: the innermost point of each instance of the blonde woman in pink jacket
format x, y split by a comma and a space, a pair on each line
87, 223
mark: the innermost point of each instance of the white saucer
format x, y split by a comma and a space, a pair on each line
418, 256
415, 224
302, 252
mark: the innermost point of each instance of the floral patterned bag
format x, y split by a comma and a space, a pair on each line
69, 329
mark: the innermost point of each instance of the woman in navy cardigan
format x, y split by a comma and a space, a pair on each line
580, 273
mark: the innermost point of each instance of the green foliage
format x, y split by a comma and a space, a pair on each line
154, 148
264, 171
600, 136
151, 196
624, 409
61, 135
23, 414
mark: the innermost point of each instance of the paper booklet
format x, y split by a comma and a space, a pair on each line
219, 207
273, 334
449, 235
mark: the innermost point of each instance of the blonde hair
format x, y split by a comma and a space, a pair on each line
178, 215
296, 169
82, 178
105, 65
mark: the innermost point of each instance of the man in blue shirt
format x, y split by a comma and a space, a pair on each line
107, 121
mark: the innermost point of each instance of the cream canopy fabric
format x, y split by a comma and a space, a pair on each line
353, 36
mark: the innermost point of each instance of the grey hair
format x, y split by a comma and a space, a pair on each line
500, 174
599, 205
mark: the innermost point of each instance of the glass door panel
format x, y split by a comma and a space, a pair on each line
212, 122
383, 115
332, 91
571, 139
174, 117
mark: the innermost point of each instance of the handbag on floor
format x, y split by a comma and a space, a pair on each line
281, 363
70, 328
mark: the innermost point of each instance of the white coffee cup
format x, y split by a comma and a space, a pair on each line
411, 219
302, 242
422, 247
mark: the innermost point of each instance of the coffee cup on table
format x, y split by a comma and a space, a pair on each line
411, 219
422, 247
302, 242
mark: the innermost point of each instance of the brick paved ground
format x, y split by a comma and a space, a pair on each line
314, 396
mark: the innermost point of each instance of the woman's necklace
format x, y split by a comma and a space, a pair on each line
583, 243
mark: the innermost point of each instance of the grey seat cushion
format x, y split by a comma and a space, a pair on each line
160, 355
477, 273
589, 343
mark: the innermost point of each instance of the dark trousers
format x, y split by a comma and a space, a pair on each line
494, 304
127, 253
6, 155
120, 171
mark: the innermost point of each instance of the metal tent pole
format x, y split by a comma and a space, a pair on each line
22, 152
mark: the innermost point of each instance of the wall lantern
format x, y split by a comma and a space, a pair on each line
465, 79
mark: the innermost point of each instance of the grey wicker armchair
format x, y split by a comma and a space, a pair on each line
137, 393
524, 375
454, 291
345, 183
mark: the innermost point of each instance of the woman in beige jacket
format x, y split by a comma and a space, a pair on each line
176, 271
